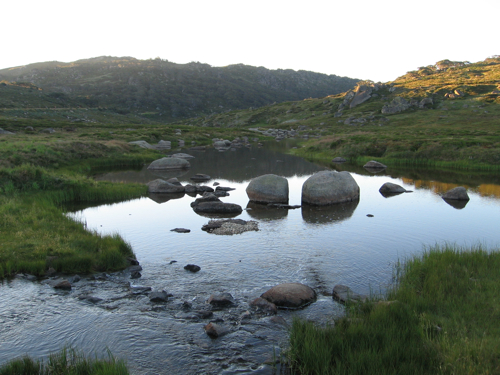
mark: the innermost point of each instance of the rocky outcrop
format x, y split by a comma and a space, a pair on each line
390, 188
398, 104
268, 188
5, 132
329, 187
290, 295
162, 186
425, 103
343, 294
169, 163
458, 193
209, 203
362, 94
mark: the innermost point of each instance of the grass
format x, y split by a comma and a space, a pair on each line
66, 362
444, 321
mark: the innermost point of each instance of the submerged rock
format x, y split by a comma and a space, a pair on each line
343, 294
329, 187
290, 295
64, 285
230, 226
221, 300
159, 296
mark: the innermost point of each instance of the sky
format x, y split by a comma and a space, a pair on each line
365, 39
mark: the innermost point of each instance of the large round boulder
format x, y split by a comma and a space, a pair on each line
458, 193
162, 186
290, 295
329, 187
268, 188
169, 163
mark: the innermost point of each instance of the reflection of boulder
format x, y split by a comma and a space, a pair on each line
169, 164
328, 214
268, 188
329, 187
261, 211
168, 174
162, 197
458, 204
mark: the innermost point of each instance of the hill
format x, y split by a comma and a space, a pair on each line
164, 91
446, 112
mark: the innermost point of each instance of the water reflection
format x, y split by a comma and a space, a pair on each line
165, 197
458, 204
331, 214
260, 211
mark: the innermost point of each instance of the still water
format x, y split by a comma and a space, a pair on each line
320, 247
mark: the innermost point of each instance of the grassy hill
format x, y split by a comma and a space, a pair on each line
164, 91
445, 113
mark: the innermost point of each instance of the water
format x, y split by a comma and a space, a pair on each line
320, 247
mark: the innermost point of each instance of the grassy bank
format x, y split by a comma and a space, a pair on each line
444, 321
65, 362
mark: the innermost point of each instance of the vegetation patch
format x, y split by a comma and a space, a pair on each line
441, 318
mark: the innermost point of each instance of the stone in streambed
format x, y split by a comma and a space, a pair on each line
263, 305
290, 295
221, 300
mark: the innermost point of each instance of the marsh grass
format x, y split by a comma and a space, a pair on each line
66, 362
444, 321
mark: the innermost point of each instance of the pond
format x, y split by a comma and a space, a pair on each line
317, 246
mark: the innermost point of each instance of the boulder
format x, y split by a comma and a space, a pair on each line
268, 188
362, 94
290, 295
160, 296
64, 284
164, 145
169, 163
329, 187
390, 188
192, 268
374, 165
180, 230
5, 131
343, 294
263, 305
209, 203
221, 300
458, 193
398, 104
162, 186
215, 330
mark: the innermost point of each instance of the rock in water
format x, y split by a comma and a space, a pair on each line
372, 164
264, 306
343, 294
169, 163
215, 330
160, 296
221, 300
268, 188
329, 187
390, 188
192, 268
458, 193
64, 285
290, 295
162, 186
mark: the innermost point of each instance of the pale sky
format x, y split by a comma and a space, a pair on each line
365, 39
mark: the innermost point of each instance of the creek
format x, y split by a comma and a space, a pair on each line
317, 246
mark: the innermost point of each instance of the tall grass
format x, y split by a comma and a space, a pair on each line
66, 362
444, 321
